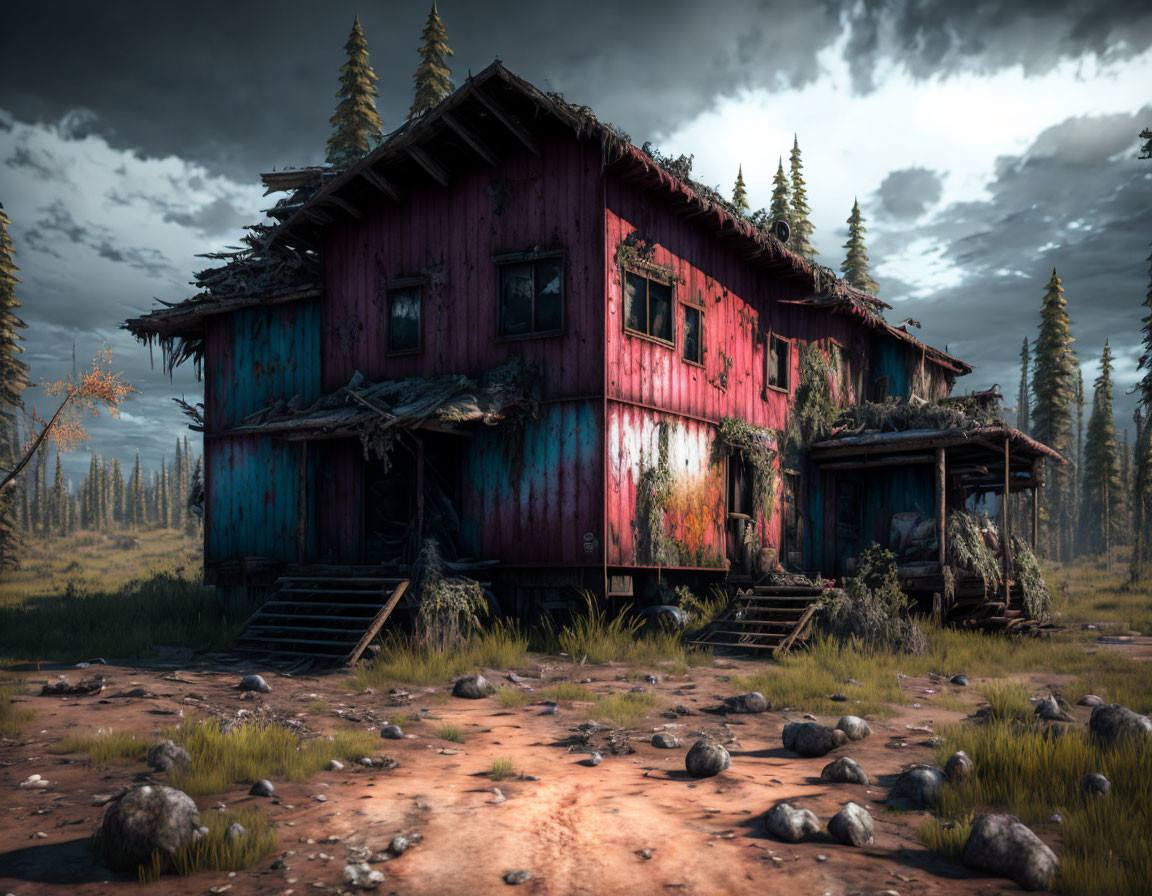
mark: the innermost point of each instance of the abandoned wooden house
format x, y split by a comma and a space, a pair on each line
510, 329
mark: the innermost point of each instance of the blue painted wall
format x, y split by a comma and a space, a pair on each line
890, 359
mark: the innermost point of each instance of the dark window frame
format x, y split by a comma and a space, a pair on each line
768, 371
649, 277
692, 306
395, 285
508, 259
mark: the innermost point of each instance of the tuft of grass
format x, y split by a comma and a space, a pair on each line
946, 838
316, 707
403, 718
104, 747
1008, 700
451, 732
568, 691
950, 702
12, 720
253, 751
624, 710
502, 645
512, 697
216, 851
502, 769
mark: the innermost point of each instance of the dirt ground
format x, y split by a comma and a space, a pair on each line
578, 829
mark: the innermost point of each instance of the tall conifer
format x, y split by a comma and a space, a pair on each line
13, 382
1103, 486
739, 193
781, 208
1023, 398
433, 78
118, 493
60, 502
356, 122
801, 239
855, 267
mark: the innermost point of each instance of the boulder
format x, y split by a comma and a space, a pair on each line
254, 683
854, 726
785, 822
852, 825
812, 738
147, 819
746, 703
706, 758
392, 732
918, 787
472, 687
263, 787
1111, 722
665, 741
844, 771
959, 766
1050, 709
665, 618
1001, 845
1090, 700
1095, 784
237, 831
166, 755
961, 680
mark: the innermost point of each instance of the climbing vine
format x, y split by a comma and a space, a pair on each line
653, 489
758, 446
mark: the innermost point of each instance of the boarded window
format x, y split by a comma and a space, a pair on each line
404, 319
648, 307
693, 335
532, 296
777, 361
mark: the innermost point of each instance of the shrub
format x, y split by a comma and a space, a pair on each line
502, 769
104, 747
450, 607
623, 710
512, 697
873, 612
452, 733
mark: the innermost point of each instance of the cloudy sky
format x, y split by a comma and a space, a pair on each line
987, 141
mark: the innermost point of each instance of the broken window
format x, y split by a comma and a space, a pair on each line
648, 306
404, 318
531, 295
777, 360
693, 335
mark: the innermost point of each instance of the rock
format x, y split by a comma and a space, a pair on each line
144, 820
812, 738
498, 795
392, 732
961, 680
919, 787
645, 853
852, 825
1090, 700
959, 766
263, 787
254, 683
236, 831
706, 758
844, 771
166, 755
1094, 784
366, 762
785, 822
665, 618
1111, 721
512, 878
839, 698
335, 765
1000, 844
665, 741
472, 687
398, 846
746, 703
362, 876
854, 726
652, 679
1049, 708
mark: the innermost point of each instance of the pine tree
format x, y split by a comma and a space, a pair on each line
739, 193
433, 78
1053, 384
13, 382
118, 493
801, 238
1126, 488
1076, 518
781, 208
1144, 387
1141, 497
178, 491
855, 267
1103, 485
195, 492
1022, 397
60, 503
162, 500
136, 512
41, 510
356, 122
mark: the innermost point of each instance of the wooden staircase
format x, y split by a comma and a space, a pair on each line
764, 618
328, 619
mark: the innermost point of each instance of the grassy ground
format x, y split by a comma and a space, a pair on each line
12, 718
1085, 592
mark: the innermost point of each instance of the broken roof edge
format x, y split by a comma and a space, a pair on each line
938, 437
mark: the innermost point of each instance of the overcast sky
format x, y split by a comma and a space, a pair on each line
987, 142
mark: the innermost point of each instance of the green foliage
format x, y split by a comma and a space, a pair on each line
452, 733
1026, 568
815, 411
569, 691
501, 645
624, 710
450, 607
1008, 700
653, 491
757, 445
701, 610
104, 747
946, 838
739, 193
502, 769
966, 548
873, 613
433, 78
855, 266
780, 210
13, 382
801, 238
1102, 513
510, 697
357, 128
217, 850
12, 720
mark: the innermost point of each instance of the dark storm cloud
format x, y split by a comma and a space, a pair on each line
908, 193
57, 223
216, 218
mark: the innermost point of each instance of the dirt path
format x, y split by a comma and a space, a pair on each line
578, 829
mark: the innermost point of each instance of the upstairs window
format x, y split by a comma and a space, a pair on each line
693, 335
648, 308
404, 316
531, 295
777, 359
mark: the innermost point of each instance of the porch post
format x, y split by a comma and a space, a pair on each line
941, 553
420, 489
302, 505
1036, 485
1005, 529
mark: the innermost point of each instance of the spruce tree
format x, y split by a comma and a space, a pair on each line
1053, 389
855, 267
162, 496
739, 193
356, 122
1076, 518
136, 496
117, 493
433, 78
1126, 488
1022, 397
801, 238
1103, 486
1141, 497
13, 382
41, 509
60, 503
781, 208
178, 491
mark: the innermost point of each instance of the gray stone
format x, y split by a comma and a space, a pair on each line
254, 683
594, 760
335, 765
844, 771
263, 787
706, 759
665, 617
1001, 845
812, 738
839, 698
1094, 784
512, 878
1090, 700
959, 766
665, 741
166, 755
472, 687
854, 726
746, 703
147, 819
790, 824
392, 732
917, 788
236, 831
1050, 709
961, 680
1111, 722
852, 825
398, 846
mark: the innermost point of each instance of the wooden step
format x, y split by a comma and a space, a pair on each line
759, 636
726, 644
771, 590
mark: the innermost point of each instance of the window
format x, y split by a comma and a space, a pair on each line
648, 305
693, 334
531, 295
404, 318
777, 361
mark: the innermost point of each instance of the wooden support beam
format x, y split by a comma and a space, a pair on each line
941, 553
517, 130
1036, 479
344, 206
318, 216
1005, 530
302, 505
433, 168
471, 139
865, 464
381, 183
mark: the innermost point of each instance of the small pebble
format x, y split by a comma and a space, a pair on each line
517, 877
644, 853
839, 698
335, 765
594, 759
